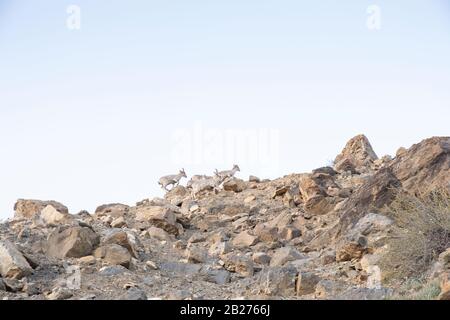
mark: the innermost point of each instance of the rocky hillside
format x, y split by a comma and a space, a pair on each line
317, 235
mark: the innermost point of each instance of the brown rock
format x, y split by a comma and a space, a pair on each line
241, 265
244, 239
114, 254
352, 247
114, 210
306, 283
12, 263
235, 185
160, 217
71, 242
51, 216
123, 239
284, 255
30, 208
358, 151
378, 191
261, 258
424, 166
266, 233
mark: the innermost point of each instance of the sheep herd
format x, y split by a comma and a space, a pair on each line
199, 183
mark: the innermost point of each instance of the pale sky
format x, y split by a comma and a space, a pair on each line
96, 115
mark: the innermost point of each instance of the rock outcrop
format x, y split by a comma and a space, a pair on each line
316, 235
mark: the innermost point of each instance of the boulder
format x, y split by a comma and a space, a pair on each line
124, 239
114, 210
239, 264
118, 222
196, 254
377, 192
71, 242
12, 263
424, 166
351, 247
220, 248
51, 216
160, 217
31, 208
306, 283
329, 289
113, 254
244, 239
358, 151
261, 258
278, 281
235, 185
266, 233
284, 255
158, 234
313, 189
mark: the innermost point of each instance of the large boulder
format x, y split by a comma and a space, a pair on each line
379, 190
51, 216
425, 165
71, 242
12, 262
114, 210
314, 190
31, 208
113, 254
358, 153
160, 217
123, 238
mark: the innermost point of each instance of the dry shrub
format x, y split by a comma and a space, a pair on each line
422, 232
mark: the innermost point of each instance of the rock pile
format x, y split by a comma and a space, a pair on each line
304, 236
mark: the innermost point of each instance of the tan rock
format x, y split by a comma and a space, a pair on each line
235, 185
196, 254
306, 283
12, 262
113, 210
261, 258
424, 166
51, 216
241, 265
71, 242
244, 239
158, 234
284, 255
114, 254
266, 233
88, 260
160, 217
31, 208
359, 151
124, 239
352, 247
118, 222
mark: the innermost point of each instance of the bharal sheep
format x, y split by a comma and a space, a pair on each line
173, 180
227, 173
209, 183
